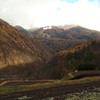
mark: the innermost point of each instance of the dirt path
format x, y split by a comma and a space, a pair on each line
16, 83
41, 94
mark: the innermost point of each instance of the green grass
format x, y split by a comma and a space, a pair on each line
7, 89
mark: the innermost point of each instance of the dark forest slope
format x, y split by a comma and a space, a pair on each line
83, 57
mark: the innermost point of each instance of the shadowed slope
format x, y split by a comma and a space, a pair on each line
83, 57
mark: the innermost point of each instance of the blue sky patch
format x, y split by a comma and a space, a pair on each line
94, 0
74, 1
91, 0
71, 1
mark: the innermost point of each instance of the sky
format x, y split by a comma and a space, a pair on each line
38, 13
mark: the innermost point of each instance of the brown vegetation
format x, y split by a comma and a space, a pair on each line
46, 90
64, 37
18, 48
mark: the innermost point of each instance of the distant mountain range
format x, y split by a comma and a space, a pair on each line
64, 37
62, 32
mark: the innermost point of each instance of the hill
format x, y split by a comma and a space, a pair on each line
83, 57
81, 33
18, 48
64, 37
75, 32
57, 44
21, 29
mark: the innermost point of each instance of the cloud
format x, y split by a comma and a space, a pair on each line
83, 12
31, 13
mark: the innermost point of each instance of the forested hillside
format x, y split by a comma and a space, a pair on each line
19, 48
83, 57
64, 37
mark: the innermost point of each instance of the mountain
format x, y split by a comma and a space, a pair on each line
57, 44
72, 33
21, 29
46, 32
81, 33
64, 37
82, 57
19, 48
32, 29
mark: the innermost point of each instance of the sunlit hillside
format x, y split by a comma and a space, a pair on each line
19, 48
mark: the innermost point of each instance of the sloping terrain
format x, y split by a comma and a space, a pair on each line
24, 60
76, 32
21, 29
81, 33
83, 57
61, 44
18, 48
64, 37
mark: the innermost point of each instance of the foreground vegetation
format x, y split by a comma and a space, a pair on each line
11, 86
80, 89
84, 95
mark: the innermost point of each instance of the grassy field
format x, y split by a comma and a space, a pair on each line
71, 87
27, 85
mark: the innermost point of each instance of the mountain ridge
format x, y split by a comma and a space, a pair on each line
74, 32
62, 37
21, 29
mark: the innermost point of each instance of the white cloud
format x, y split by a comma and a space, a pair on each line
51, 12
